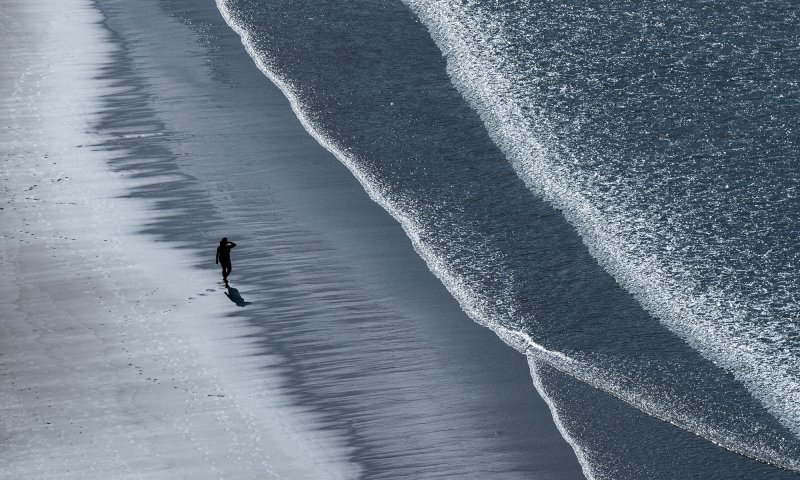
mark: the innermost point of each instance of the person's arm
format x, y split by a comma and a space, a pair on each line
216, 259
231, 244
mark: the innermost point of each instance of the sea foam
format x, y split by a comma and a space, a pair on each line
479, 46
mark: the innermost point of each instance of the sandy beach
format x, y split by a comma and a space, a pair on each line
130, 146
114, 366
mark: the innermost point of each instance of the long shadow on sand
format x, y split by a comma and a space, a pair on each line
234, 296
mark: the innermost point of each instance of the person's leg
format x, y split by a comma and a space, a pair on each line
226, 270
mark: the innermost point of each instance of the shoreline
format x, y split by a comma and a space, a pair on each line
336, 208
347, 363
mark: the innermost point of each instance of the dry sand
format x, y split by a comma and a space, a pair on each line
108, 371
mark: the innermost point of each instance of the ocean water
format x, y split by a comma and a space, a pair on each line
611, 187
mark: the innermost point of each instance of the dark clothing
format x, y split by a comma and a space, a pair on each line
224, 258
224, 253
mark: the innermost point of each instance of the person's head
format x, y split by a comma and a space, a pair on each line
224, 241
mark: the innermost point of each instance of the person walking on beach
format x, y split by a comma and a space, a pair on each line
224, 257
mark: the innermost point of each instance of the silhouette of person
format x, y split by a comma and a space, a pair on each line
224, 257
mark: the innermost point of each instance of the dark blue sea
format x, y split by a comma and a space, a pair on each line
613, 187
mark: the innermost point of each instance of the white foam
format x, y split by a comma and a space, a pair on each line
474, 42
580, 452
